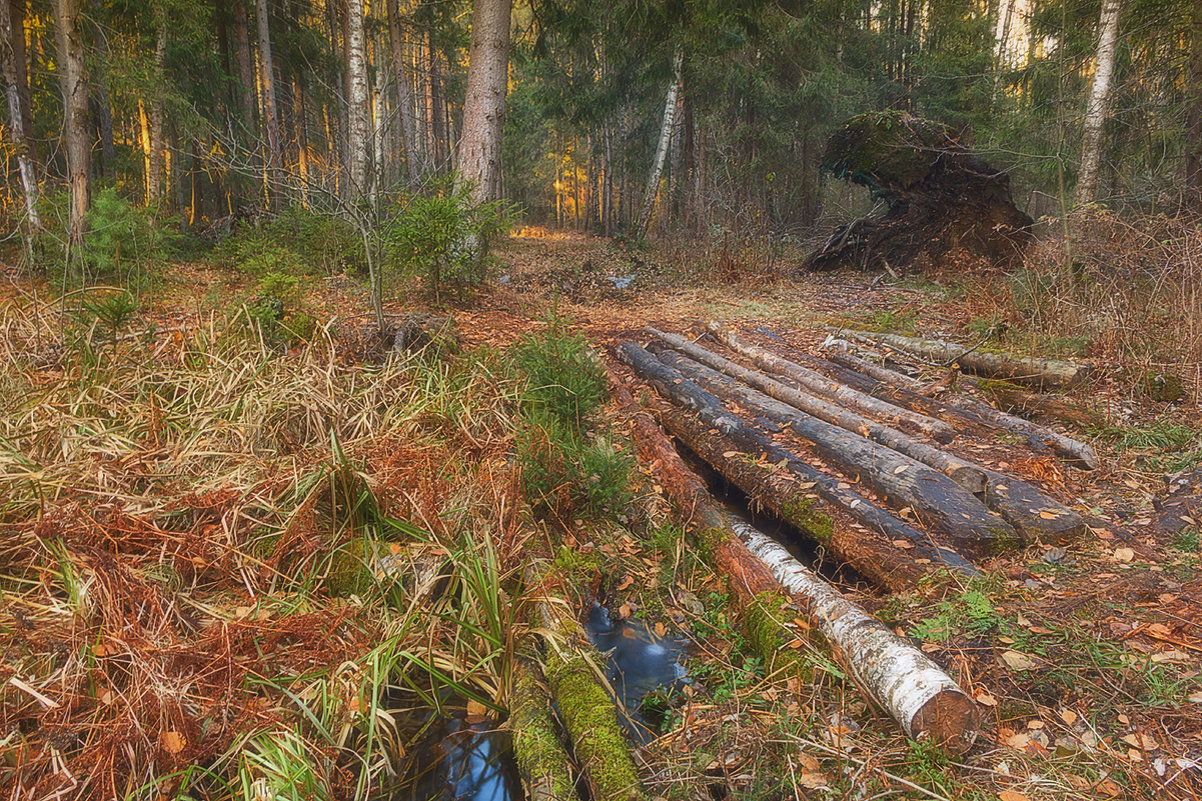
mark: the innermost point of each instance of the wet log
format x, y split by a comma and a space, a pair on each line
1043, 373
967, 475
778, 481
821, 385
541, 758
1039, 406
938, 501
1035, 515
1074, 452
923, 698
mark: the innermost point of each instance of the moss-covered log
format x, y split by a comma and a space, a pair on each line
542, 760
1039, 406
945, 206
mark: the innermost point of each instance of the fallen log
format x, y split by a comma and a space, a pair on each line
1038, 406
541, 758
926, 701
937, 500
818, 383
1074, 452
779, 482
1043, 373
964, 473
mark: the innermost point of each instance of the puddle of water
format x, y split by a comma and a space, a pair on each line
638, 664
461, 761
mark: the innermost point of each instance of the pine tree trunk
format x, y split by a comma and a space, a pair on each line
404, 97
1193, 156
154, 176
1099, 95
75, 111
246, 70
434, 125
302, 138
358, 127
661, 151
479, 156
104, 107
271, 117
17, 115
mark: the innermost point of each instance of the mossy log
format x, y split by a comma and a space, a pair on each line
1074, 452
541, 758
938, 501
1039, 406
945, 205
920, 695
778, 481
1027, 370
967, 475
821, 385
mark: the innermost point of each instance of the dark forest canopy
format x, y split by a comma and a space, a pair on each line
705, 115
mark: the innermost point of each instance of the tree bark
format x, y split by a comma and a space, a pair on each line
479, 157
821, 385
1099, 96
154, 175
967, 475
75, 124
358, 126
271, 116
937, 500
903, 390
661, 150
541, 759
1193, 152
792, 490
404, 97
888, 669
17, 116
246, 70
1044, 373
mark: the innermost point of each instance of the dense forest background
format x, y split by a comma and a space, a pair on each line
701, 116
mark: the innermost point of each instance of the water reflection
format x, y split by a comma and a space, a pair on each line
461, 761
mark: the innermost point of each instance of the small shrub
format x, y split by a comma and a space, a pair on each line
565, 475
565, 377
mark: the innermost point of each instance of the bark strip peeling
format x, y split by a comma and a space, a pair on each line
910, 686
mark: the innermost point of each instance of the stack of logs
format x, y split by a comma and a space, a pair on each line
868, 465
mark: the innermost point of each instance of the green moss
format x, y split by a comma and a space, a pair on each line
592, 722
806, 515
762, 621
707, 540
541, 757
348, 571
1163, 387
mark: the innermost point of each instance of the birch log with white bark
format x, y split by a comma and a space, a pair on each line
918, 693
1099, 97
817, 383
358, 135
17, 118
964, 473
661, 150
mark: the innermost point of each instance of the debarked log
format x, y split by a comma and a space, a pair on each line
1023, 369
937, 500
790, 489
964, 473
1073, 451
820, 384
926, 701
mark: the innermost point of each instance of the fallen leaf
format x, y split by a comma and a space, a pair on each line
808, 761
660, 629
172, 741
900, 469
626, 583
1141, 741
1018, 661
1035, 724
1011, 795
1046, 515
1195, 697
903, 544
1068, 716
1124, 554
985, 699
624, 610
729, 454
1018, 741
812, 781
476, 712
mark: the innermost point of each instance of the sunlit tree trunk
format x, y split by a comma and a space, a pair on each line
1193, 144
479, 157
1095, 111
358, 125
75, 112
271, 117
435, 126
17, 116
246, 70
302, 139
661, 151
404, 96
154, 175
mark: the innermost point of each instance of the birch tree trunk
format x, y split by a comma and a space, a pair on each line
154, 175
358, 123
271, 117
661, 150
1099, 95
404, 97
479, 156
20, 133
75, 117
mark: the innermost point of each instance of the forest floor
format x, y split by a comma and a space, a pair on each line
179, 622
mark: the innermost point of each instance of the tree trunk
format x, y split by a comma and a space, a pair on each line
271, 117
479, 156
17, 16
104, 106
661, 150
937, 500
75, 111
1193, 140
246, 70
967, 475
1022, 369
302, 138
792, 490
1095, 110
404, 97
890, 670
821, 385
903, 390
154, 177
434, 125
358, 128
17, 120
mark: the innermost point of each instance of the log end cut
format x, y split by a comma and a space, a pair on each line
950, 719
